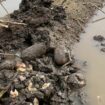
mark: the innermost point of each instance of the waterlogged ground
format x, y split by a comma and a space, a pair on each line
89, 50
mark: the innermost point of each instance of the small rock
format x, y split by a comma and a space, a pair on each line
34, 51
76, 81
99, 38
61, 55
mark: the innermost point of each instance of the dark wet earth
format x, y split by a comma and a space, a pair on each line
31, 71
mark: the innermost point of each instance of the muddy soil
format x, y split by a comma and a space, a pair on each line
36, 63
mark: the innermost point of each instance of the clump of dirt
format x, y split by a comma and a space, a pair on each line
36, 63
101, 41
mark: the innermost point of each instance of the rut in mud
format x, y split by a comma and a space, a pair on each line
36, 63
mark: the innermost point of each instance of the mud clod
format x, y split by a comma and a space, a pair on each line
76, 81
8, 64
34, 51
99, 38
103, 49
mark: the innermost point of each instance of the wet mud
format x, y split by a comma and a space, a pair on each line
37, 66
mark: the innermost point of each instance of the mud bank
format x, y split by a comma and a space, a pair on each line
36, 63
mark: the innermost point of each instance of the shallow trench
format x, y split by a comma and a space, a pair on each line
89, 50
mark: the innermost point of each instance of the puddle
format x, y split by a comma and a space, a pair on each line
10, 5
87, 50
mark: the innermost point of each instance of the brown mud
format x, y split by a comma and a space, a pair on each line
36, 63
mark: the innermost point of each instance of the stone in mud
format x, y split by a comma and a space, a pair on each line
99, 38
76, 81
103, 49
34, 51
61, 55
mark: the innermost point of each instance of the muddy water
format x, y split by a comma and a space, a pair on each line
10, 5
89, 50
